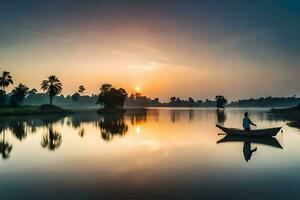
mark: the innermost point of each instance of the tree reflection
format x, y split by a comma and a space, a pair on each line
52, 140
81, 132
137, 116
18, 129
111, 125
5, 147
175, 115
221, 117
191, 115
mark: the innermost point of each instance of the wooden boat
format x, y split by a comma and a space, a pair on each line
268, 132
269, 141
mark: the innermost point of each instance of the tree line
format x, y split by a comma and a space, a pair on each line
111, 97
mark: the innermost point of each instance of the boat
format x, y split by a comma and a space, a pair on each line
268, 132
269, 141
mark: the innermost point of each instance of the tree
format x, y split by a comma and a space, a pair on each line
220, 101
19, 94
5, 80
81, 89
111, 97
191, 102
52, 86
2, 97
33, 91
75, 96
173, 99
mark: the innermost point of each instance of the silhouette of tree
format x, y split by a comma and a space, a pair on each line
191, 102
173, 99
81, 89
220, 101
2, 97
111, 97
75, 96
19, 94
52, 86
33, 91
5, 80
52, 140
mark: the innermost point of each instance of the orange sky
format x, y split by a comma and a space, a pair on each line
149, 47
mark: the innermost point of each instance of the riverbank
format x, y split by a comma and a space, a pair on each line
46, 109
292, 113
33, 110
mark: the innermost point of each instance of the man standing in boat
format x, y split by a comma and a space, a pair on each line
247, 122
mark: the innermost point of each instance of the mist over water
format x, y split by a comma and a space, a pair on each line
154, 154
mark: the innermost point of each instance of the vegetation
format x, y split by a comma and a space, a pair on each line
18, 95
32, 110
267, 102
2, 97
52, 86
81, 89
111, 98
75, 97
5, 80
220, 101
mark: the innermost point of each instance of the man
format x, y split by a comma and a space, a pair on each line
247, 122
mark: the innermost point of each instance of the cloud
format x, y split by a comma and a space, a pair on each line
149, 66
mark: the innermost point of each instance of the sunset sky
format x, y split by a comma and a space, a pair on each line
185, 48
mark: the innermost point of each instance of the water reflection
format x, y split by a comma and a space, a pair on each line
5, 147
137, 116
112, 125
247, 143
157, 144
175, 115
51, 140
221, 117
191, 115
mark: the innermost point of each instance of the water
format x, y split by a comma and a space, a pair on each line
159, 154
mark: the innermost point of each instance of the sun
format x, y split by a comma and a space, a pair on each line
137, 88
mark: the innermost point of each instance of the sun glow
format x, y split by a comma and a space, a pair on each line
137, 88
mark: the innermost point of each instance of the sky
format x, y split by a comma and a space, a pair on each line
184, 48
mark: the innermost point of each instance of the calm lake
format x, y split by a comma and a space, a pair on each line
156, 154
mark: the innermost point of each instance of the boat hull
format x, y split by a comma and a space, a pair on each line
268, 141
269, 132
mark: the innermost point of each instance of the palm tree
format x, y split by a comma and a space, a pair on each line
19, 94
33, 91
81, 89
5, 80
52, 86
